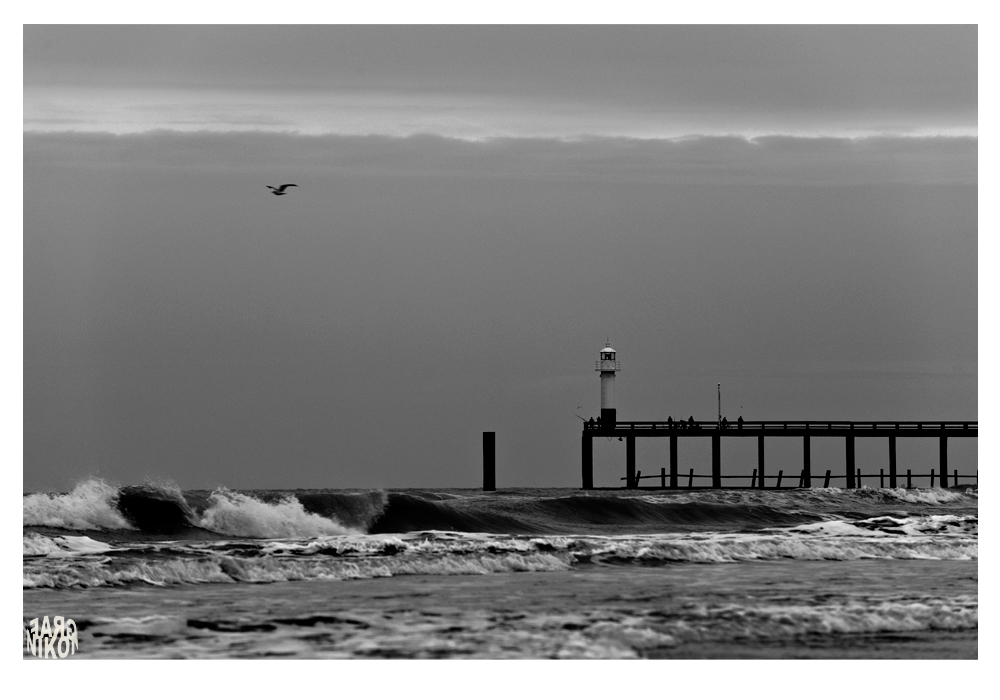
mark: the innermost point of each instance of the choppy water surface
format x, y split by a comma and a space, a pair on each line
154, 571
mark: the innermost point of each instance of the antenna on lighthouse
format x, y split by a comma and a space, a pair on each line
719, 387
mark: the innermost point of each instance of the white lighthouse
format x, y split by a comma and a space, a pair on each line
607, 366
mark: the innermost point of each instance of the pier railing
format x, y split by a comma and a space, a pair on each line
796, 480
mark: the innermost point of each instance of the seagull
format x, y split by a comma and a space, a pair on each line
279, 190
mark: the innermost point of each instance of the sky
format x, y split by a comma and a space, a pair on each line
787, 211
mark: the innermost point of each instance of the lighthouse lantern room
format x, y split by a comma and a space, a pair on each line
607, 366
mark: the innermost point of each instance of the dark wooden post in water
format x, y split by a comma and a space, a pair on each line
806, 466
673, 461
778, 485
826, 480
909, 479
489, 461
892, 461
663, 477
943, 450
691, 478
716, 461
760, 461
630, 480
588, 460
849, 450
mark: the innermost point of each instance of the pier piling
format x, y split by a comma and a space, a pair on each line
587, 449
673, 461
806, 466
630, 462
760, 459
943, 451
489, 462
849, 453
716, 462
892, 461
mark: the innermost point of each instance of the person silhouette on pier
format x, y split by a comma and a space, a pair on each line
739, 423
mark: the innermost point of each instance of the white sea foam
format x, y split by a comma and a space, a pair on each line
707, 623
38, 545
89, 506
929, 537
891, 526
934, 496
232, 513
35, 544
371, 556
222, 569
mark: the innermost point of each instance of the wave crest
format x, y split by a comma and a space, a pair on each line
91, 505
240, 515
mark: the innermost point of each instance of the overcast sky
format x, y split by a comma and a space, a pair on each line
790, 211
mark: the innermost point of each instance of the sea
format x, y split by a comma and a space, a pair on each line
155, 572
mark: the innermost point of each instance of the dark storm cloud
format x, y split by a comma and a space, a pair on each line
923, 73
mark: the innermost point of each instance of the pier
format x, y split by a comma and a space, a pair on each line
716, 430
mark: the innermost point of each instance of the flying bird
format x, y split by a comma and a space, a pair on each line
279, 190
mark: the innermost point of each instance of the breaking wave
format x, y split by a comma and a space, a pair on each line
153, 509
232, 513
91, 505
141, 512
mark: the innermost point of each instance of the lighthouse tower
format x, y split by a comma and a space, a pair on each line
607, 366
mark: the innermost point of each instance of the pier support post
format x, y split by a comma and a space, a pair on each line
489, 461
716, 461
673, 461
943, 450
760, 461
892, 461
630, 480
849, 452
806, 463
587, 451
